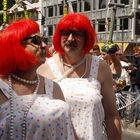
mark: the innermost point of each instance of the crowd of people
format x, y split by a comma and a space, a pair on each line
69, 95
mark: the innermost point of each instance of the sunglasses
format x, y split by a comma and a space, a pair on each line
36, 39
74, 33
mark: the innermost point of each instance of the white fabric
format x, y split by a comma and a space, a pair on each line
46, 120
84, 97
124, 74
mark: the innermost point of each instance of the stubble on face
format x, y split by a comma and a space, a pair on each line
70, 45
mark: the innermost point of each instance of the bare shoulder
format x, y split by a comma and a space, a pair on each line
3, 98
57, 92
45, 71
104, 71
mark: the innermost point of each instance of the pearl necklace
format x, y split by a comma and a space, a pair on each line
26, 109
31, 82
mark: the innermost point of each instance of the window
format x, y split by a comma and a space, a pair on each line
60, 9
74, 6
50, 11
124, 2
80, 6
137, 23
45, 11
94, 4
101, 25
86, 6
124, 24
55, 8
50, 30
102, 4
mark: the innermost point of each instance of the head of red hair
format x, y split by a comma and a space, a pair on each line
75, 21
13, 55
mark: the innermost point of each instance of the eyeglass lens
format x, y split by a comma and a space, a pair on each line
37, 40
73, 32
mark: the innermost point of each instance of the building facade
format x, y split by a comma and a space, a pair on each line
126, 23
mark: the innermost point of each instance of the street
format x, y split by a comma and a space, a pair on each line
129, 135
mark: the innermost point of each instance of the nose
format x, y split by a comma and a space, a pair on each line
70, 37
43, 45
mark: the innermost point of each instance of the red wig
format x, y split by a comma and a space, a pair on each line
75, 21
13, 55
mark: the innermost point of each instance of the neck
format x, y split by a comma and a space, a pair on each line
72, 60
29, 75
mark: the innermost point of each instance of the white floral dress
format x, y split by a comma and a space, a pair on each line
47, 119
85, 100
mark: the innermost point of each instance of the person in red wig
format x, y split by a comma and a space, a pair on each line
85, 80
27, 110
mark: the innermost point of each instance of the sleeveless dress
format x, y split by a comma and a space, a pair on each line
47, 119
85, 100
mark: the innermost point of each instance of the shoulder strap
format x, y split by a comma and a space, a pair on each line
94, 67
57, 72
53, 66
49, 88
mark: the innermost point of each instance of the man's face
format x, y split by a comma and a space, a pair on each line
35, 44
72, 41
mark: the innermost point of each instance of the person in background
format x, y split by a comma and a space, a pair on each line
125, 67
110, 58
31, 107
137, 62
96, 50
85, 80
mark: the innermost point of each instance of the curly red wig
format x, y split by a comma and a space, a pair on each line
75, 21
13, 55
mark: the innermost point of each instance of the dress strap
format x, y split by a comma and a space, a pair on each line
94, 67
5, 89
49, 88
53, 66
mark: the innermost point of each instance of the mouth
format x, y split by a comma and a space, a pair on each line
71, 45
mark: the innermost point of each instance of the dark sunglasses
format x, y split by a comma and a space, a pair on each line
75, 33
36, 39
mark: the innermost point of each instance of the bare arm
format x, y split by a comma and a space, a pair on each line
112, 119
3, 99
57, 92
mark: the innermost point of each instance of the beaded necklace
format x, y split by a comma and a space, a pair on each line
25, 111
31, 82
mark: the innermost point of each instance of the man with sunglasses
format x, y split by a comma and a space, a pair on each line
38, 41
27, 110
85, 80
